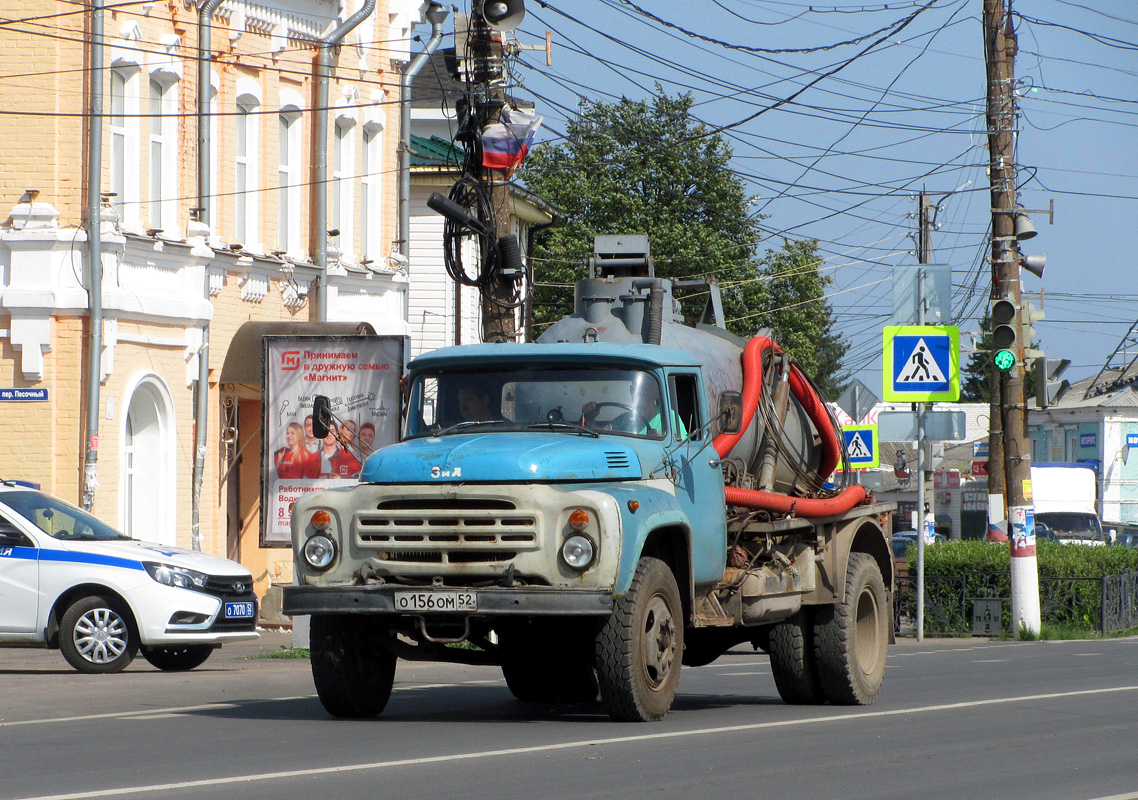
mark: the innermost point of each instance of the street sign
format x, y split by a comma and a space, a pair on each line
857, 400
979, 469
23, 395
922, 363
940, 426
980, 449
937, 294
1132, 440
861, 446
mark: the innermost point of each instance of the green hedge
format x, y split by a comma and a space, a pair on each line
957, 572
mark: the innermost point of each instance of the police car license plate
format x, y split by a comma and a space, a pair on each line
436, 601
238, 610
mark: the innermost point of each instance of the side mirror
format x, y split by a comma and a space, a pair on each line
729, 418
321, 416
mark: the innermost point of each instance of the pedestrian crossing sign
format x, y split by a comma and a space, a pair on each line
861, 446
922, 363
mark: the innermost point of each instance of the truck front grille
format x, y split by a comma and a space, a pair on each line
440, 531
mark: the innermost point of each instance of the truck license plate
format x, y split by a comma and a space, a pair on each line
436, 601
238, 610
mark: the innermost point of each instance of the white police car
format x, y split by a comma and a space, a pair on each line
70, 581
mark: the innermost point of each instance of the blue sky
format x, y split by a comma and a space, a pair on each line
843, 161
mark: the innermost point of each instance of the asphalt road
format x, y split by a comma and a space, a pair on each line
956, 718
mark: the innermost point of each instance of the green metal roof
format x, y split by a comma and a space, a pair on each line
435, 152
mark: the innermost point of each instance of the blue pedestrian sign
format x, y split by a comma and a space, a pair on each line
922, 363
860, 442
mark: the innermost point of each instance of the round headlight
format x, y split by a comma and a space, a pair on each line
319, 551
578, 551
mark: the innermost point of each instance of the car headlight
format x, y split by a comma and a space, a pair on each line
578, 551
178, 577
319, 551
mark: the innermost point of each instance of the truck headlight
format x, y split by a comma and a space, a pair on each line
319, 552
178, 577
578, 551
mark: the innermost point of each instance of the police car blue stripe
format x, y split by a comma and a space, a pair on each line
76, 558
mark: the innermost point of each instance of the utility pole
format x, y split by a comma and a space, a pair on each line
924, 256
1009, 410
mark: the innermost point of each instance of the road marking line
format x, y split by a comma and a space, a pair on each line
556, 746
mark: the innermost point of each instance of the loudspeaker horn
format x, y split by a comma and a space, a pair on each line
1024, 229
503, 15
1034, 263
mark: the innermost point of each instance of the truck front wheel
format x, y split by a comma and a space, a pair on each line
793, 662
640, 646
550, 663
851, 638
352, 670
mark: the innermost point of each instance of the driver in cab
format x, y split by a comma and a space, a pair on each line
643, 416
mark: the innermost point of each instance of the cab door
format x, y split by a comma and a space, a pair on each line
19, 583
699, 482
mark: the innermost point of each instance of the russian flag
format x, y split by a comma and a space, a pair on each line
506, 142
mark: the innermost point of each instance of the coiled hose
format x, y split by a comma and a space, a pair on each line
816, 410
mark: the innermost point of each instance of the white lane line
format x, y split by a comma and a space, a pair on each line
728, 674
158, 713
989, 661
556, 746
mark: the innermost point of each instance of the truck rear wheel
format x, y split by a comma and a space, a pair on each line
793, 661
851, 638
352, 670
640, 646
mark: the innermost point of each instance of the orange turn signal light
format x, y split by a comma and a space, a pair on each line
321, 519
579, 520
633, 505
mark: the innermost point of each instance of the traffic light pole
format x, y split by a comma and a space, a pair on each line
1000, 48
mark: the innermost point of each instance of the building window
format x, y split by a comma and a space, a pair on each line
147, 471
162, 199
245, 206
288, 181
343, 182
124, 128
371, 198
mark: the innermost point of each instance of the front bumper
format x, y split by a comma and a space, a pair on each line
529, 601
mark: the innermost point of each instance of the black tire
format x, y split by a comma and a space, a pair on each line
640, 647
352, 670
97, 636
553, 664
851, 638
178, 658
793, 661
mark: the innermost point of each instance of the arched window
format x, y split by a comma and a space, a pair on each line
247, 154
163, 152
124, 129
148, 457
289, 180
344, 182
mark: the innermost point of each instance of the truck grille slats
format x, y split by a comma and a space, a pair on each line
441, 531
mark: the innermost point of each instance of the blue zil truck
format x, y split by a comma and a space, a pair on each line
592, 511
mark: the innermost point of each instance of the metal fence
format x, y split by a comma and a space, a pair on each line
978, 603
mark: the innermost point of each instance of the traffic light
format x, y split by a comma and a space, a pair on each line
1048, 388
1005, 337
1030, 315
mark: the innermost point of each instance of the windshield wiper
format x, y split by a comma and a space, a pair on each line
564, 426
473, 423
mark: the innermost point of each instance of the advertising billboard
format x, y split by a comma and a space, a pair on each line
360, 376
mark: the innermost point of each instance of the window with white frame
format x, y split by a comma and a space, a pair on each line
371, 197
124, 129
246, 152
343, 182
288, 180
162, 151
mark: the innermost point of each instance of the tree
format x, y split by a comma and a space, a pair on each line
648, 167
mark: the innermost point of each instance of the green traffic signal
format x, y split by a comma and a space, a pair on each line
1004, 360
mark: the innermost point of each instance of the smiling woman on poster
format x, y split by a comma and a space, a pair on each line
293, 460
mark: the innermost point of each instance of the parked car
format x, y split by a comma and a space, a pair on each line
72, 582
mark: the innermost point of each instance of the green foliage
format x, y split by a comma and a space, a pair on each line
290, 653
647, 167
1070, 576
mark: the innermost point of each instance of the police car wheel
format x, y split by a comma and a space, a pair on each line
96, 635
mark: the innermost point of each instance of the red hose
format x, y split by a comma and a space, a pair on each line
752, 388
816, 411
799, 506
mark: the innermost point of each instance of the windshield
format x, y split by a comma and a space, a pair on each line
536, 397
1067, 525
58, 519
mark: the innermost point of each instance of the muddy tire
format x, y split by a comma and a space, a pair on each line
794, 662
550, 664
851, 638
352, 670
639, 647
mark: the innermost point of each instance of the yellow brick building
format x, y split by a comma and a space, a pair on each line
166, 277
